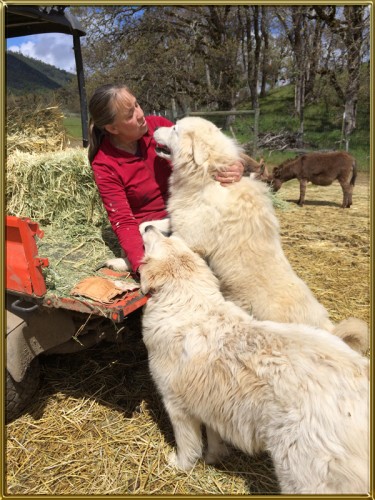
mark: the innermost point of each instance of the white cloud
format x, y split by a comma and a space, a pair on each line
51, 48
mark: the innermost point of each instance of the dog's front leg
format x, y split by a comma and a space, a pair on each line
216, 448
194, 242
188, 436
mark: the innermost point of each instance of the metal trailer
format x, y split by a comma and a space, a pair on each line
39, 321
42, 321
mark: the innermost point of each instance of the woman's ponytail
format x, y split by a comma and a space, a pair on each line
95, 138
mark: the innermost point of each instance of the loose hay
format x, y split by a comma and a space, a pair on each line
73, 257
329, 247
97, 425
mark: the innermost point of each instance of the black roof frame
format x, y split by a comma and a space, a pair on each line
28, 20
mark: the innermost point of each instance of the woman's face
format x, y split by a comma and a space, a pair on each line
129, 124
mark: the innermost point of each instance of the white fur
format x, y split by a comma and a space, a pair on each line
236, 230
294, 390
122, 263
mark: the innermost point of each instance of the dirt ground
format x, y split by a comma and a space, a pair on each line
97, 426
329, 247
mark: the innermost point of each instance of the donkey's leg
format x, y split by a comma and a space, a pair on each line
350, 195
347, 190
302, 191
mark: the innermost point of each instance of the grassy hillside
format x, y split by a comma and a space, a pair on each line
323, 122
25, 75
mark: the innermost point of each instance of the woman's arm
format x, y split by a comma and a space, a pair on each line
120, 215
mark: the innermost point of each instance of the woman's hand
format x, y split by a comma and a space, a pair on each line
233, 173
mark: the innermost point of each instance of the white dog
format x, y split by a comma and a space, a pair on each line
294, 390
236, 230
122, 263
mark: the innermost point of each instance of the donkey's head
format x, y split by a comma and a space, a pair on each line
275, 179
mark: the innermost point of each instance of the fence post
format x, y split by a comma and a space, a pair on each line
174, 110
256, 129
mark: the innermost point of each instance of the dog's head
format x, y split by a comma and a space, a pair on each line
167, 260
196, 144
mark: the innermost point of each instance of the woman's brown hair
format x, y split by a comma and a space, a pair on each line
102, 111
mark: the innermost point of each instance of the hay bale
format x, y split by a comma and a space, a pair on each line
34, 127
57, 190
53, 188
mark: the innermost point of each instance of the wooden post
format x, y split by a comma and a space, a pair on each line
256, 130
174, 110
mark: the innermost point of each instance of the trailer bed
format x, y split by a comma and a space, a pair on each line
29, 276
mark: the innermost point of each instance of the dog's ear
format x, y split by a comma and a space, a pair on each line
200, 149
153, 275
145, 282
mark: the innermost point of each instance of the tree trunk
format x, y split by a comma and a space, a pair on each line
353, 41
296, 36
265, 55
351, 32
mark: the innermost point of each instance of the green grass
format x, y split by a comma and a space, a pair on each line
72, 124
323, 123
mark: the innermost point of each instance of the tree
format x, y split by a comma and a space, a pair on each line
304, 34
172, 51
210, 56
264, 27
251, 42
350, 29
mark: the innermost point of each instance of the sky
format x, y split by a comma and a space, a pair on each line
51, 48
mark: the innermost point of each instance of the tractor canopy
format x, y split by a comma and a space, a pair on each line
25, 20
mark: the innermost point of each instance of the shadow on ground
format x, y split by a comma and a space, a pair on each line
118, 377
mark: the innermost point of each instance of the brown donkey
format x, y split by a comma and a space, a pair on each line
320, 169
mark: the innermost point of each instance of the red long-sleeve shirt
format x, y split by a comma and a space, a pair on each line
133, 188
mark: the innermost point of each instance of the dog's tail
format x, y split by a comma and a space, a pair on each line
355, 333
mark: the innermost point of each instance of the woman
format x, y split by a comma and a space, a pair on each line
131, 178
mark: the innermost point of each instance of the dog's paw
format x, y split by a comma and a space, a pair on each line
119, 264
172, 459
175, 461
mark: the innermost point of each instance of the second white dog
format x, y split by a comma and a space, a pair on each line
294, 390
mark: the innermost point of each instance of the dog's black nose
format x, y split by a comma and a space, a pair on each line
147, 228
